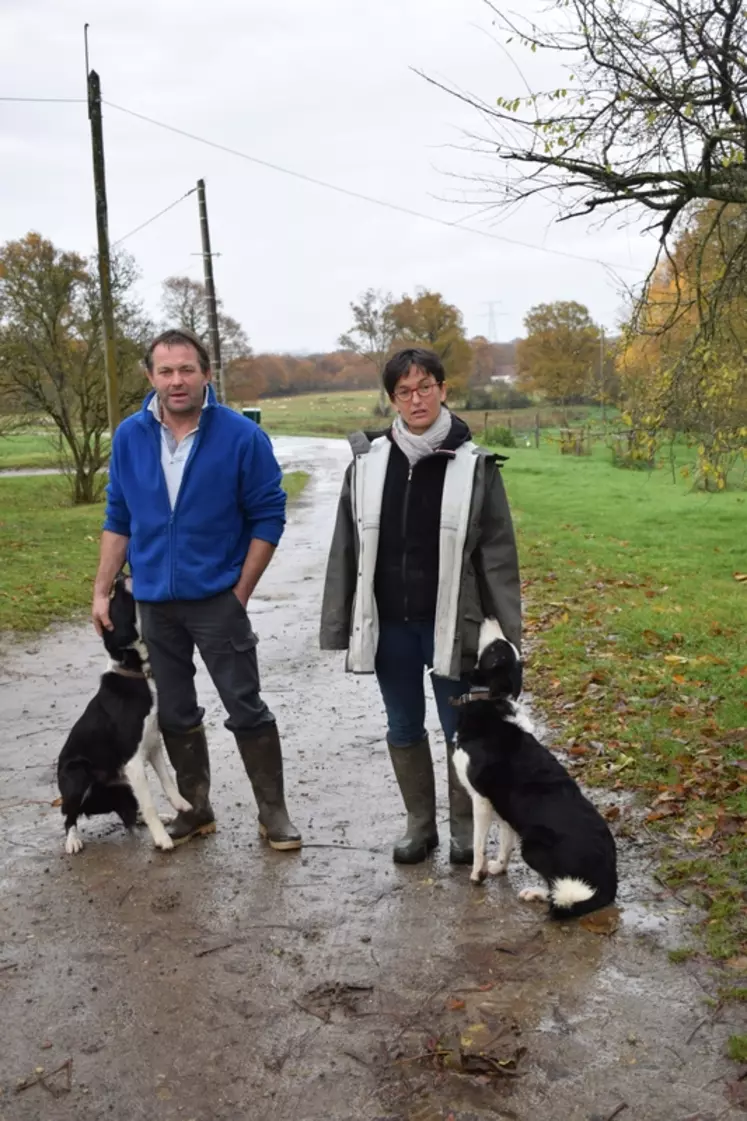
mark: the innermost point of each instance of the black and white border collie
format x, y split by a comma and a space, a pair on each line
101, 768
511, 776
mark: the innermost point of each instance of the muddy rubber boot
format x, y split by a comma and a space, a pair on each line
413, 768
461, 847
188, 753
263, 759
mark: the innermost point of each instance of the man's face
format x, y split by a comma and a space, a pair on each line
178, 379
418, 398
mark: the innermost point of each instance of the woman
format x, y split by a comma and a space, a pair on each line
423, 551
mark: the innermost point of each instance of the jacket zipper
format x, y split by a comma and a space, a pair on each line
405, 510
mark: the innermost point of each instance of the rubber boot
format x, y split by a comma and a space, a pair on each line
188, 753
263, 759
413, 768
460, 816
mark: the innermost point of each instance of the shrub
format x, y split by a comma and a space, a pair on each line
500, 437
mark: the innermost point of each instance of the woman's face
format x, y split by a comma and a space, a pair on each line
418, 398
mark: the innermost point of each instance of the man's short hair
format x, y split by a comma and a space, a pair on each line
399, 365
178, 336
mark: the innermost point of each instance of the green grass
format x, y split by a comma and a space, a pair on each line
637, 629
738, 1048
28, 449
49, 550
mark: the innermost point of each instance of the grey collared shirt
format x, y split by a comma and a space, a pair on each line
174, 453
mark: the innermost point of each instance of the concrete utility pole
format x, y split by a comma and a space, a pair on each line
212, 305
102, 231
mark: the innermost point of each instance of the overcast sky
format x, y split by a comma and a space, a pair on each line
322, 87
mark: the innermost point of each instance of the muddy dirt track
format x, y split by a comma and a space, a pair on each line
225, 981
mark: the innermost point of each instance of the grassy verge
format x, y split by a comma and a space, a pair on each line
49, 550
639, 657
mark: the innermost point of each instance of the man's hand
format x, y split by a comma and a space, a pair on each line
241, 595
112, 557
257, 559
100, 613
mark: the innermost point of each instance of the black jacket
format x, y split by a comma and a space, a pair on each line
406, 582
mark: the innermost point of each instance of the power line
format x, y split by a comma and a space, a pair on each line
363, 197
155, 216
48, 100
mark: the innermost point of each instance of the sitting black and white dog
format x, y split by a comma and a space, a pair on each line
101, 768
511, 776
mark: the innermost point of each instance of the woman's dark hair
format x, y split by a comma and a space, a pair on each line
178, 337
399, 365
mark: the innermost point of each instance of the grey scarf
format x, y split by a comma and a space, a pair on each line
416, 447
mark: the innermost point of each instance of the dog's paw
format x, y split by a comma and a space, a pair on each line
497, 867
163, 843
479, 876
73, 843
533, 894
181, 805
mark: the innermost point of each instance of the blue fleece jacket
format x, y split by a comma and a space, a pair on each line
230, 493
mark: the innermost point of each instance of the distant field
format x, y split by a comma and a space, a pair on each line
314, 414
338, 414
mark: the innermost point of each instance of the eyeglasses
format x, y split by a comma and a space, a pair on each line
423, 390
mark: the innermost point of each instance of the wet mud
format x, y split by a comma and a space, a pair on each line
226, 981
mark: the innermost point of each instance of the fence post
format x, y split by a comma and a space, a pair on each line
536, 430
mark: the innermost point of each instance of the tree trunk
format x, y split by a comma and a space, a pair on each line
383, 402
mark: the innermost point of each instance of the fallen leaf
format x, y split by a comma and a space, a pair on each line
612, 813
601, 922
57, 802
455, 1005
678, 658
741, 577
739, 964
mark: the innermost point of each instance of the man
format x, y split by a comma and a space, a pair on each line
195, 503
423, 551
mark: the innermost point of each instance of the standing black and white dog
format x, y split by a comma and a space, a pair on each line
511, 776
101, 768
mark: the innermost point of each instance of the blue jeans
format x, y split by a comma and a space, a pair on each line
404, 652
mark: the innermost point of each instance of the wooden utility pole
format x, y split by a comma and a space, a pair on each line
102, 230
212, 305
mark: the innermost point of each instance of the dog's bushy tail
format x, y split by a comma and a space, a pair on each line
570, 897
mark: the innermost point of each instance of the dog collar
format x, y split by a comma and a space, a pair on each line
479, 693
128, 672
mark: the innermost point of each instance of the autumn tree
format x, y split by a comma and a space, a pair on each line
428, 321
674, 379
653, 114
649, 123
184, 304
51, 353
558, 355
372, 334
